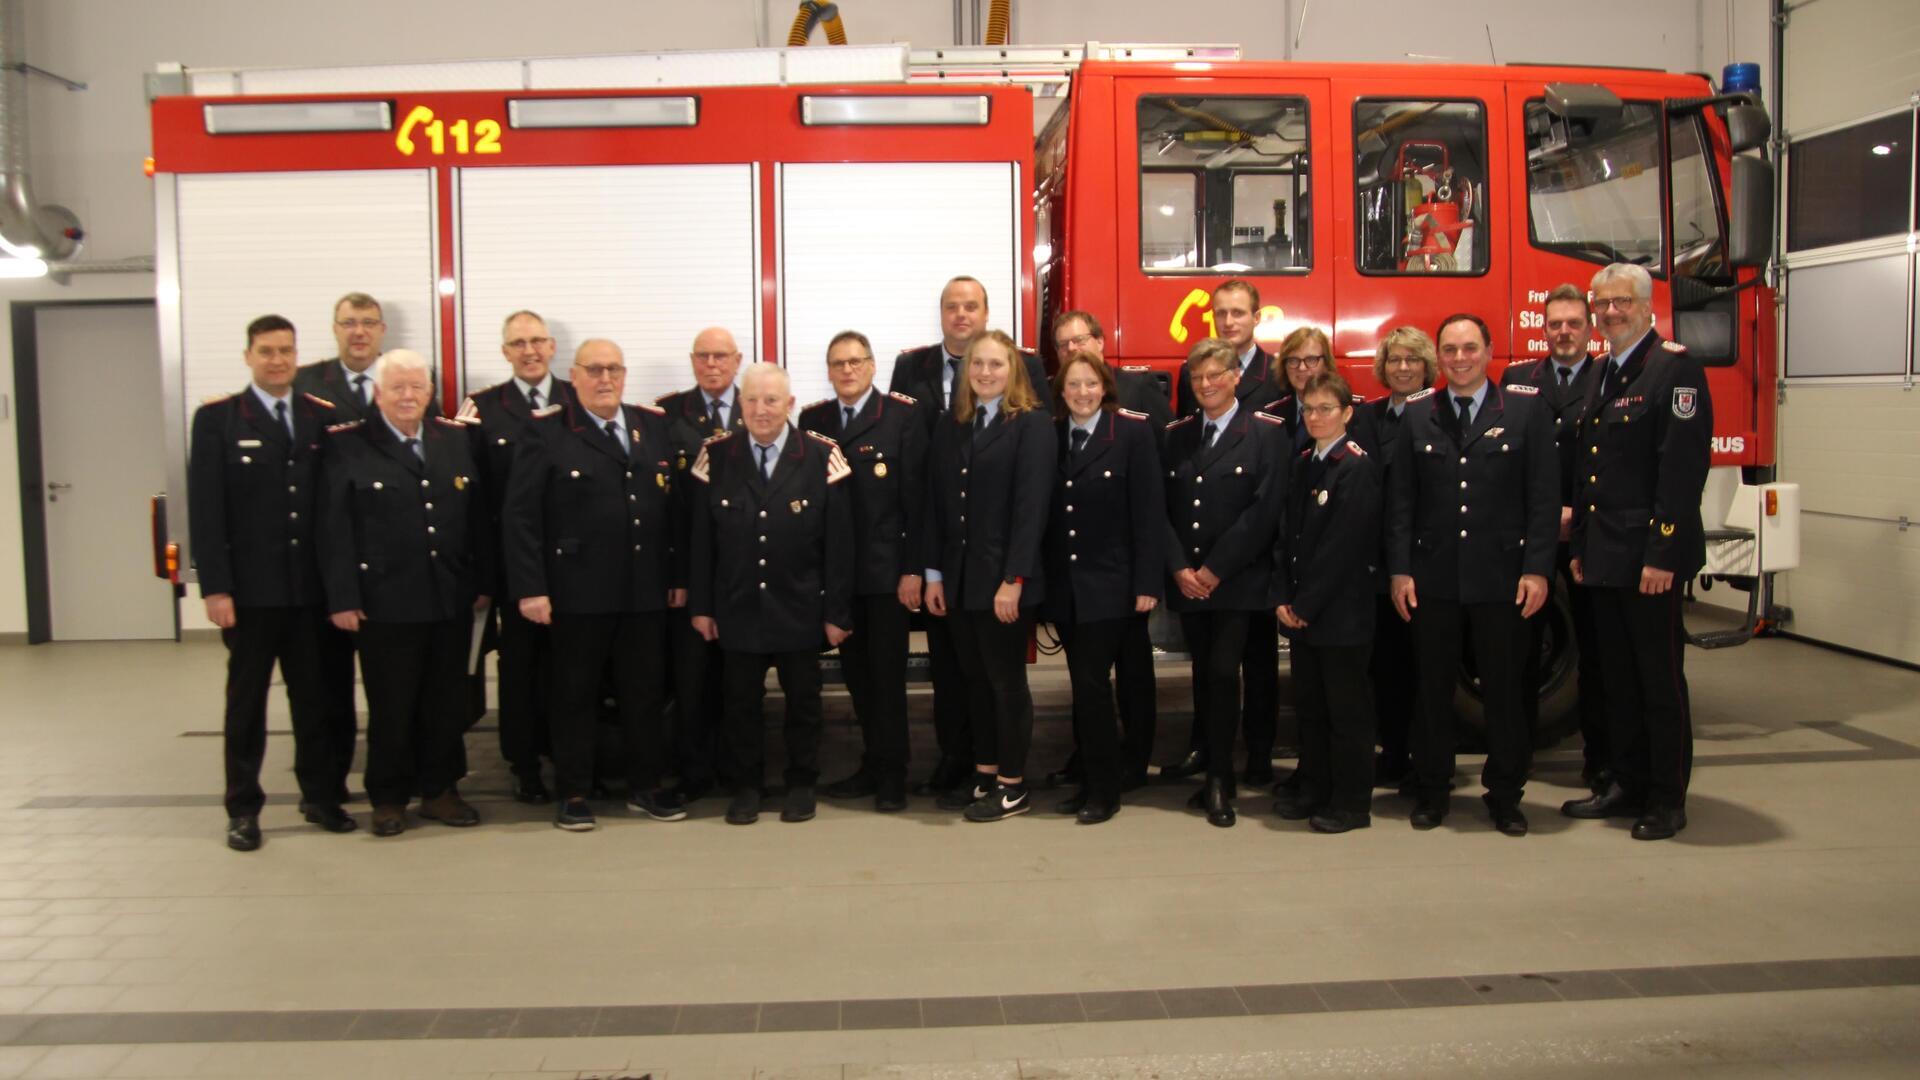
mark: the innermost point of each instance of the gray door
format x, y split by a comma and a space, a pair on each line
101, 440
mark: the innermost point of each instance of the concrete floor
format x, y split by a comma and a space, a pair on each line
1776, 936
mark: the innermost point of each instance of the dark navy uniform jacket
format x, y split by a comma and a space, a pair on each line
590, 525
1566, 404
886, 447
251, 491
1225, 504
917, 374
1104, 536
772, 558
330, 381
1471, 511
1328, 558
1641, 463
402, 540
987, 501
1261, 382
498, 419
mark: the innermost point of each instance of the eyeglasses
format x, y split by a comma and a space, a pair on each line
1213, 375
1073, 342
853, 364
1619, 303
520, 343
1321, 410
1402, 360
601, 371
1304, 361
351, 325
713, 357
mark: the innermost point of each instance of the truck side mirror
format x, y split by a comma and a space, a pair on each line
1747, 127
1752, 212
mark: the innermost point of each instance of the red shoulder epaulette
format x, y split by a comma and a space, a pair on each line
1355, 447
711, 439
1176, 423
1263, 414
545, 411
1522, 388
320, 401
1427, 393
828, 439
335, 429
1672, 346
902, 398
1130, 414
654, 409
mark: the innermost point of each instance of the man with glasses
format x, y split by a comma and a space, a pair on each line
1472, 517
1645, 446
885, 443
1567, 380
590, 552
711, 406
1236, 312
498, 417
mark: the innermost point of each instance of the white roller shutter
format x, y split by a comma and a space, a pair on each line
644, 255
868, 246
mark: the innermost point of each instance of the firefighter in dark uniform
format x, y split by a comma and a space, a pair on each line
591, 553
709, 407
1404, 363
1105, 568
407, 549
252, 477
499, 416
928, 375
884, 440
1326, 565
1226, 478
1472, 519
1236, 313
1647, 440
1137, 388
1567, 379
772, 579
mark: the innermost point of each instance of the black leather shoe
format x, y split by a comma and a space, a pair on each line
799, 805
389, 820
745, 807
1659, 824
966, 794
858, 786
1219, 802
1096, 811
891, 798
1291, 807
1614, 803
575, 815
531, 790
449, 808
1506, 815
243, 833
658, 805
948, 773
1259, 774
1193, 764
1428, 812
1072, 804
1339, 821
331, 818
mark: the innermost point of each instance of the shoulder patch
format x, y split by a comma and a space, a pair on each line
837, 467
1672, 346
902, 398
1130, 414
1187, 419
1427, 393
468, 411
700, 467
1270, 418
335, 429
320, 401
545, 411
1355, 447
654, 409
1521, 388
1136, 367
711, 439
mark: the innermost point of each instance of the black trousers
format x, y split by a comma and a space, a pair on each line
1394, 676
416, 676
1217, 642
952, 695
993, 656
341, 723
1642, 647
1139, 695
1592, 700
1260, 689
1092, 648
588, 652
258, 639
874, 661
746, 690
526, 687
1333, 698
1441, 629
699, 747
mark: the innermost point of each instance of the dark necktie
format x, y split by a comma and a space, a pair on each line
716, 418
1610, 379
1078, 439
1465, 405
414, 446
766, 461
953, 377
280, 414
613, 433
533, 398
846, 417
979, 422
360, 389
1206, 435
1565, 374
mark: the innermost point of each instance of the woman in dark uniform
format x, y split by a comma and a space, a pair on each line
990, 474
1226, 472
1328, 563
1405, 363
1103, 559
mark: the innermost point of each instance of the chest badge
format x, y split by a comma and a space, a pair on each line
680, 461
794, 506
880, 469
1667, 529
660, 478
459, 483
1320, 497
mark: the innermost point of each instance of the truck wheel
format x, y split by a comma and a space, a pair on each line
1559, 683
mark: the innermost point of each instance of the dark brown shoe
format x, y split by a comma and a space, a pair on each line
389, 820
449, 808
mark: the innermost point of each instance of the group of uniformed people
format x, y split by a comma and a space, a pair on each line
641, 554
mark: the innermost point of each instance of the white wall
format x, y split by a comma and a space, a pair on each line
88, 146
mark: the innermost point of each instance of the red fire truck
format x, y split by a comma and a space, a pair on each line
790, 193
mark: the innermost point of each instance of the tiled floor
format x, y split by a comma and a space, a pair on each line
1776, 936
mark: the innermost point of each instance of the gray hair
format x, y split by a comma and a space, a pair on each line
400, 360
1211, 350
764, 370
1635, 275
522, 313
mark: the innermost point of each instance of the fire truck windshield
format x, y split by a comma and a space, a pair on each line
1594, 193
